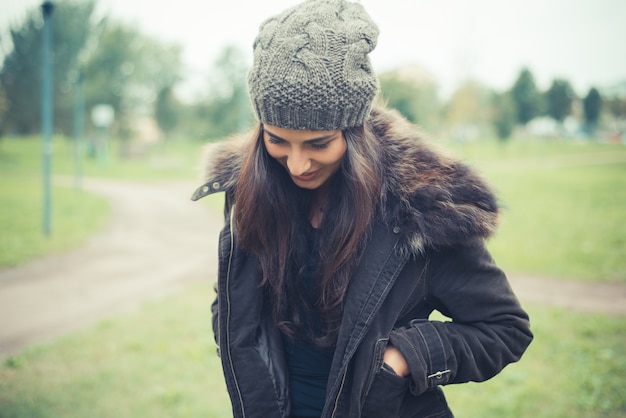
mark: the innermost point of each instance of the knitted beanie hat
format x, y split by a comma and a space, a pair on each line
311, 68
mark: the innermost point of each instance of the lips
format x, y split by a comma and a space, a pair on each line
307, 176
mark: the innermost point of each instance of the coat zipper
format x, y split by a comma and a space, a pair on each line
343, 380
230, 359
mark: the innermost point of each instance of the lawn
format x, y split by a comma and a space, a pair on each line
76, 214
563, 206
562, 216
565, 222
562, 200
575, 367
160, 361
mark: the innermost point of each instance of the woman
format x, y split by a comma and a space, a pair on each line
344, 232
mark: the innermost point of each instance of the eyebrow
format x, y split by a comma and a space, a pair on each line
308, 141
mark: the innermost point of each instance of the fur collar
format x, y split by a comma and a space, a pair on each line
436, 200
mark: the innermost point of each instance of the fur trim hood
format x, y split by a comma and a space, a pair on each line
436, 200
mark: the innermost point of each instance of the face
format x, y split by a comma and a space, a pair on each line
310, 157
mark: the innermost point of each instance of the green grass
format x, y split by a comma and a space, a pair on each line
160, 361
174, 160
563, 214
565, 222
76, 214
563, 217
563, 206
75, 217
575, 367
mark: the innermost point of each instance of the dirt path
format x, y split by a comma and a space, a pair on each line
156, 242
159, 241
607, 298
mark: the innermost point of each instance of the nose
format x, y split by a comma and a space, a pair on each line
298, 163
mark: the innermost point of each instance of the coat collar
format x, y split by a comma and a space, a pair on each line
435, 200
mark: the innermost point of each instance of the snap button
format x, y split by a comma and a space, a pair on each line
205, 189
396, 229
216, 185
439, 374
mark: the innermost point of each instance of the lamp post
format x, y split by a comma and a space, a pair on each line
46, 114
79, 127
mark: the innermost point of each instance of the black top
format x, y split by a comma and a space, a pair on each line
309, 364
309, 367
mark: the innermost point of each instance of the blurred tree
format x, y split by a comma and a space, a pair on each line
559, 99
227, 109
120, 66
592, 107
526, 97
467, 111
3, 98
503, 114
20, 76
413, 92
616, 105
468, 104
166, 73
615, 110
109, 66
400, 95
167, 110
127, 70
3, 109
228, 73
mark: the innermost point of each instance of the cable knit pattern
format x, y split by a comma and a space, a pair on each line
311, 67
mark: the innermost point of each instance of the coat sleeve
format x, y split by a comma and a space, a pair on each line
488, 327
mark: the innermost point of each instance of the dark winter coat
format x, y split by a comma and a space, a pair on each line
426, 253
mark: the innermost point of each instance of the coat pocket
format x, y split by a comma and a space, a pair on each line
385, 396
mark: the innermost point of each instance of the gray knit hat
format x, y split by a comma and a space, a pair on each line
311, 67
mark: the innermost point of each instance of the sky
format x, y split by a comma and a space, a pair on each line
581, 41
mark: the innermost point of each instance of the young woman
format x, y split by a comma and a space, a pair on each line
344, 232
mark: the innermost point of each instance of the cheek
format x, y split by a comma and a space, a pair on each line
275, 152
338, 154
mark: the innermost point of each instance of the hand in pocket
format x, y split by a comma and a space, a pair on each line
386, 393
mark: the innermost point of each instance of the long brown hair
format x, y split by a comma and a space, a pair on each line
272, 217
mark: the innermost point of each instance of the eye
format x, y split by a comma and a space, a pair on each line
320, 146
275, 141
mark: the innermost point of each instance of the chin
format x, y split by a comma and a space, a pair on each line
308, 186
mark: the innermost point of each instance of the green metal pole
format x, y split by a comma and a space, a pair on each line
79, 129
46, 114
